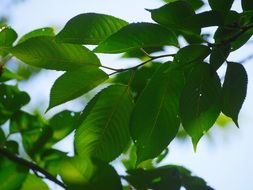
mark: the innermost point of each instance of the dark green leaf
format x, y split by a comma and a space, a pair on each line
192, 53
141, 77
243, 39
234, 90
205, 19
90, 175
22, 122
196, 4
7, 37
200, 101
221, 5
11, 175
37, 33
172, 16
104, 129
75, 83
34, 182
155, 120
247, 5
2, 138
45, 52
90, 28
12, 146
135, 36
219, 55
11, 100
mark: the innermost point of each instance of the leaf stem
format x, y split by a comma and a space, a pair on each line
137, 66
37, 169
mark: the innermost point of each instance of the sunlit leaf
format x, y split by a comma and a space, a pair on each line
104, 127
34, 182
86, 174
37, 33
90, 28
7, 37
234, 90
75, 83
46, 53
200, 101
155, 120
135, 36
9, 75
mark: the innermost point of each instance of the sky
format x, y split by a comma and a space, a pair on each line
225, 163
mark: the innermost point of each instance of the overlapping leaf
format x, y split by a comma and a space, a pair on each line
104, 126
89, 174
7, 37
155, 120
75, 83
90, 28
221, 5
46, 53
234, 90
135, 36
200, 101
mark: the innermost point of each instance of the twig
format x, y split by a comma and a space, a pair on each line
5, 153
137, 66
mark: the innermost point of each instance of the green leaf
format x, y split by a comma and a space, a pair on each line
166, 177
22, 122
104, 129
247, 5
7, 37
90, 28
86, 174
221, 5
172, 16
11, 100
12, 146
196, 4
34, 182
62, 124
219, 55
192, 53
9, 75
234, 90
75, 83
11, 175
2, 138
46, 53
37, 33
141, 77
155, 121
200, 101
135, 36
205, 19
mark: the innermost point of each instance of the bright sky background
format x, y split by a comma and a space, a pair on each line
226, 163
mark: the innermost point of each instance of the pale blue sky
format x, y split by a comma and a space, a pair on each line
225, 164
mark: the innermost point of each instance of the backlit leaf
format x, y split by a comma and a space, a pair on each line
37, 33
155, 120
90, 28
200, 101
46, 53
89, 174
234, 90
104, 129
135, 36
34, 182
75, 83
7, 37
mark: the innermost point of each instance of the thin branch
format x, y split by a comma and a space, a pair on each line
246, 59
137, 66
5, 153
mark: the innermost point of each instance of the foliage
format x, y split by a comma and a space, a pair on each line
141, 109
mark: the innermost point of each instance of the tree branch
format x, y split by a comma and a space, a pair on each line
9, 155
